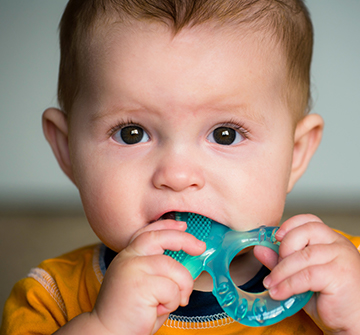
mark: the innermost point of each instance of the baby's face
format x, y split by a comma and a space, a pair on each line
195, 122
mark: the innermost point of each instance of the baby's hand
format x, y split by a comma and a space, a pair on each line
142, 286
314, 257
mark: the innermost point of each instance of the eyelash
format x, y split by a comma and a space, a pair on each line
122, 124
235, 125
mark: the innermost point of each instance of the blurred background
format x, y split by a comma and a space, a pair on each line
40, 210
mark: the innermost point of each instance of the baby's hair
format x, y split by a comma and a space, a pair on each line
287, 22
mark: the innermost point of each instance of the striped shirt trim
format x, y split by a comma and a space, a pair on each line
98, 262
198, 322
49, 284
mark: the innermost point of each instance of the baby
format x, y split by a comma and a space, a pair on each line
190, 106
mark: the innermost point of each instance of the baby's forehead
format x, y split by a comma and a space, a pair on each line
125, 58
135, 37
126, 35
102, 39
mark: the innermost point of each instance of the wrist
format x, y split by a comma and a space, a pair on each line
86, 323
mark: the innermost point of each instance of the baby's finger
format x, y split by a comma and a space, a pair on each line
161, 266
294, 222
314, 278
304, 235
166, 294
155, 242
300, 261
161, 225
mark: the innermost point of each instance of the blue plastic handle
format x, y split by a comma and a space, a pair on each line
250, 309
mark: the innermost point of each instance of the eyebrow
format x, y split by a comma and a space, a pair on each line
241, 110
106, 112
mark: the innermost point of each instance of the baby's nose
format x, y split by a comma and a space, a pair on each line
178, 175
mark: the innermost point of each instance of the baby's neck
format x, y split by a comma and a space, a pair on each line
243, 268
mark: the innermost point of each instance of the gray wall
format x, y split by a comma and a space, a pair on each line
29, 175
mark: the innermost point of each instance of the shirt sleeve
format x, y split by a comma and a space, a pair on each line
32, 309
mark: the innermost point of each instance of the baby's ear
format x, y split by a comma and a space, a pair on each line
307, 138
55, 128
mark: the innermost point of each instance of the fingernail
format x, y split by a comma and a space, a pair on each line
181, 224
267, 282
279, 234
272, 292
200, 243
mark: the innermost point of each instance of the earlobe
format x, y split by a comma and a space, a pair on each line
55, 128
308, 134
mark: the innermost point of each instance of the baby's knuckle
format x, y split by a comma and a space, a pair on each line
307, 254
313, 219
151, 235
305, 275
315, 227
172, 290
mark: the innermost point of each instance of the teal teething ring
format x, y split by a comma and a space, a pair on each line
222, 245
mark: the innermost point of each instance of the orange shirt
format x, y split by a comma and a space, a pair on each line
64, 287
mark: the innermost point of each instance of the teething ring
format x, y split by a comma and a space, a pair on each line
222, 245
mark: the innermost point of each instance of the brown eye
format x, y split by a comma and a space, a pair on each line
131, 135
225, 136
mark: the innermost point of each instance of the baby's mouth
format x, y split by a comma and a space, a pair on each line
166, 216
